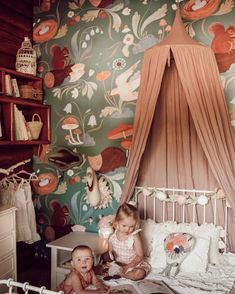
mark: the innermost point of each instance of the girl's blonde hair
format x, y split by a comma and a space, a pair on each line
126, 210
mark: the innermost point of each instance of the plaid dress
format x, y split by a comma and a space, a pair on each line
124, 250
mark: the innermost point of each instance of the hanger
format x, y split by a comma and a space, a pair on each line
10, 169
32, 176
16, 178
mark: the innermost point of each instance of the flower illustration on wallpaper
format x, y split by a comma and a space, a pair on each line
71, 124
128, 40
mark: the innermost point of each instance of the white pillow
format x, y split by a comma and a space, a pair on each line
197, 260
150, 230
158, 255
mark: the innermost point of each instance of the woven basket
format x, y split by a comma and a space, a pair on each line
35, 126
26, 91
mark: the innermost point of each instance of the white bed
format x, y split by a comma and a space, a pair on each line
11, 287
205, 269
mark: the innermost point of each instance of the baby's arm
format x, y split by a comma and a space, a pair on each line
99, 284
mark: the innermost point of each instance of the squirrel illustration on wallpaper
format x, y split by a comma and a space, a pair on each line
60, 64
223, 45
224, 40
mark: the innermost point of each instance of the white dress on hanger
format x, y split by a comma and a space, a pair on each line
30, 213
20, 195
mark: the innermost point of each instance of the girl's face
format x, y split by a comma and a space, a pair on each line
126, 225
82, 260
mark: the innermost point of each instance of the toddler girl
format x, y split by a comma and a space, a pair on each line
82, 275
125, 243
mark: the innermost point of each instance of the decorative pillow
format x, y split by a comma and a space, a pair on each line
195, 261
177, 246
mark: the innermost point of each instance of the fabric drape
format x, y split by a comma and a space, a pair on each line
200, 80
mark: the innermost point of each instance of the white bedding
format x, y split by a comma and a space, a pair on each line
217, 280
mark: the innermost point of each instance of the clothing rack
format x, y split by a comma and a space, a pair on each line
10, 283
10, 169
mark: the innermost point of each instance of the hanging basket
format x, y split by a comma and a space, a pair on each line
35, 126
26, 58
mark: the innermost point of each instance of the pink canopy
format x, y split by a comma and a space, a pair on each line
182, 133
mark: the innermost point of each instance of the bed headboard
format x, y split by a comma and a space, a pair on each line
183, 206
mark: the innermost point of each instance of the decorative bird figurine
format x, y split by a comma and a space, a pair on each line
98, 190
126, 84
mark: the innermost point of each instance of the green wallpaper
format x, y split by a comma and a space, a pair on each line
90, 55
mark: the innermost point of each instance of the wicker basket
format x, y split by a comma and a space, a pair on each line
35, 126
26, 91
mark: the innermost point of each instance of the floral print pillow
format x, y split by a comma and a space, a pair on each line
177, 246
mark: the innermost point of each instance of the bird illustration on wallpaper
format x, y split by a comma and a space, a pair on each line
125, 91
99, 194
223, 45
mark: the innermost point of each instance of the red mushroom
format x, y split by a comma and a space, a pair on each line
121, 131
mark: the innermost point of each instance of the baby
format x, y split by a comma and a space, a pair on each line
82, 274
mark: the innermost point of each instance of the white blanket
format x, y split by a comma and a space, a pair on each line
217, 280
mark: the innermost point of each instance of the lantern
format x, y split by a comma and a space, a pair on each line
26, 58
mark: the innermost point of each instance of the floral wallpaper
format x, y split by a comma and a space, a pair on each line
90, 55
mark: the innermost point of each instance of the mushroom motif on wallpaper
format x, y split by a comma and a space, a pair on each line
98, 190
122, 131
71, 125
102, 163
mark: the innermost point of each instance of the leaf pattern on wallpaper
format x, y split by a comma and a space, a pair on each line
74, 206
161, 12
135, 23
61, 189
62, 31
225, 7
90, 15
117, 190
138, 29
73, 5
74, 46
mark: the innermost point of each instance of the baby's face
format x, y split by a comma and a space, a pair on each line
126, 225
82, 260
